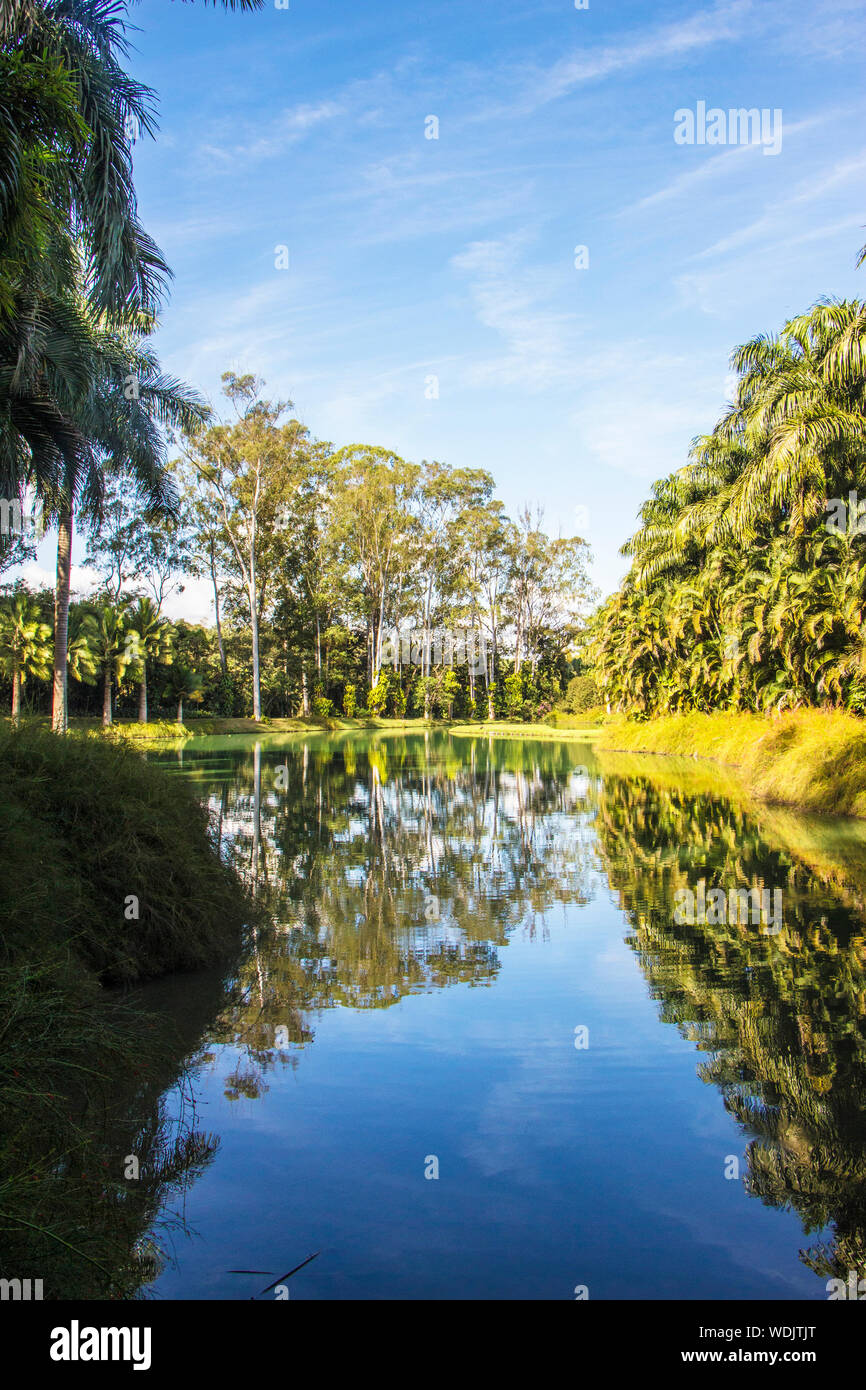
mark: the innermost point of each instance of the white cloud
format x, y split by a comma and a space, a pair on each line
673, 41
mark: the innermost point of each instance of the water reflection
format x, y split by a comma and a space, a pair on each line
780, 1017
397, 866
389, 868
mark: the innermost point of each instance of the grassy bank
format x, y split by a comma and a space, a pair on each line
110, 877
163, 731
814, 760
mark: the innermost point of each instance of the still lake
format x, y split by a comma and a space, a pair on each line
476, 969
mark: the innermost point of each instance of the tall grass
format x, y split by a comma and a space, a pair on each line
85, 827
811, 759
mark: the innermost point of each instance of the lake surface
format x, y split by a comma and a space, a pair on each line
476, 969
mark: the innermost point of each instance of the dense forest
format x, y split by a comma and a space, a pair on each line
748, 573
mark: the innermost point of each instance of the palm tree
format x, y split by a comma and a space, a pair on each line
115, 648
125, 431
25, 647
734, 545
154, 644
183, 684
80, 657
79, 277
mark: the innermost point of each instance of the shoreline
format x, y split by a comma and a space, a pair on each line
808, 760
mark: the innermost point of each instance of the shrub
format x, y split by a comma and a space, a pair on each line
582, 694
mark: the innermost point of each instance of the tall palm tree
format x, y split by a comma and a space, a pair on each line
25, 645
75, 267
123, 432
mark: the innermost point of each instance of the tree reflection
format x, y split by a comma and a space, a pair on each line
781, 1018
389, 867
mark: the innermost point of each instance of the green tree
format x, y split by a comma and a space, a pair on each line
153, 643
25, 644
114, 644
183, 684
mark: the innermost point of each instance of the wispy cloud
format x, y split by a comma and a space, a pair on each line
724, 23
735, 160
288, 128
776, 218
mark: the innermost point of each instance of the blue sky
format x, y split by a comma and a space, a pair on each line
412, 257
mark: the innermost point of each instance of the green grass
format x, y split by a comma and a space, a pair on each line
156, 731
84, 826
814, 760
553, 727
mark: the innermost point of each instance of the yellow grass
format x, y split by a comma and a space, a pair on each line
812, 759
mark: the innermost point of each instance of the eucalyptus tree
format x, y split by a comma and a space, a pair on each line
243, 473
489, 535
446, 499
375, 496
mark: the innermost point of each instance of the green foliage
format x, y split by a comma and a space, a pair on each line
24, 643
86, 825
377, 699
183, 684
513, 695
581, 694
743, 595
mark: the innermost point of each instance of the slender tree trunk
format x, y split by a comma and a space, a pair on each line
106, 698
61, 618
254, 625
16, 696
180, 710
377, 663
142, 694
216, 605
305, 694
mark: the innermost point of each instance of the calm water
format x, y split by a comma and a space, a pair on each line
452, 917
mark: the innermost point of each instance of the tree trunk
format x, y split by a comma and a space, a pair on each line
305, 695
216, 605
16, 696
142, 694
106, 698
61, 619
180, 710
254, 626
